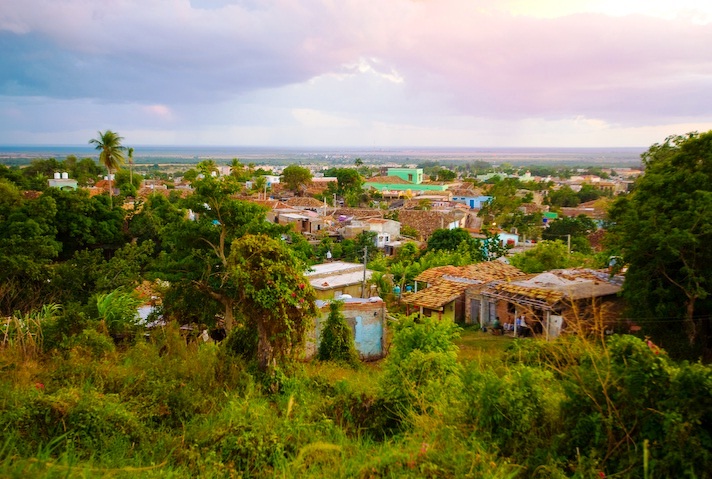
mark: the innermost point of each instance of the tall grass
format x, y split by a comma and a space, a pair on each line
169, 407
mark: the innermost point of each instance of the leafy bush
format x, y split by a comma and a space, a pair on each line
422, 373
519, 410
118, 310
337, 341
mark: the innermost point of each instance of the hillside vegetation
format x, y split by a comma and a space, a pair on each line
162, 406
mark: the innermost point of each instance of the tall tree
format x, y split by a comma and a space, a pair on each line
111, 154
131, 162
296, 178
272, 294
196, 252
664, 229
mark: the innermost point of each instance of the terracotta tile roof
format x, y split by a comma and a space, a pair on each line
269, 204
426, 222
484, 272
305, 202
464, 191
433, 274
438, 295
390, 180
359, 213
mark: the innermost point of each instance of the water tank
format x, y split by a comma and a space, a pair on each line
65, 176
57, 176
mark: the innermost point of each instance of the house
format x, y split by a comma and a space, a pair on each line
411, 175
473, 202
301, 222
426, 222
386, 230
550, 301
367, 319
338, 278
402, 182
442, 290
306, 203
63, 182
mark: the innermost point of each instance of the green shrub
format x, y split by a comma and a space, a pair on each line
90, 420
337, 341
421, 373
95, 343
519, 411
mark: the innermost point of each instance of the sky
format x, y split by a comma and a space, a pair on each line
355, 73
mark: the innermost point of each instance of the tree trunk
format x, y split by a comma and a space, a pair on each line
690, 319
229, 315
111, 192
264, 348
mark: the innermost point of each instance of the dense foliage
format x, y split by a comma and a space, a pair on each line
664, 230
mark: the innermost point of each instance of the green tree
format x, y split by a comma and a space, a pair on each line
131, 163
449, 240
664, 229
155, 215
446, 175
578, 228
337, 340
82, 222
272, 294
195, 253
589, 193
564, 196
545, 256
85, 171
207, 167
28, 246
111, 154
296, 178
348, 180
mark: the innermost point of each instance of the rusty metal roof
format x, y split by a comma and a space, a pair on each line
438, 295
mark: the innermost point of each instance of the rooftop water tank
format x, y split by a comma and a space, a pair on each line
65, 176
57, 176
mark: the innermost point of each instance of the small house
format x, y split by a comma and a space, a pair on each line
339, 278
367, 319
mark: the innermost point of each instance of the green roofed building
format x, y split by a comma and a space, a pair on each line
411, 175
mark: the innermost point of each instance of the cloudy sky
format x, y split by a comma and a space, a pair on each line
373, 73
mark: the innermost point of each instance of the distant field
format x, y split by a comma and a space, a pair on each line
619, 157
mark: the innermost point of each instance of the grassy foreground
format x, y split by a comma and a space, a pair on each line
494, 407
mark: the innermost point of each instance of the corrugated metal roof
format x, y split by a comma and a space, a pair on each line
438, 295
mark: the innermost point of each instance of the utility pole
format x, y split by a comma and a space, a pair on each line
568, 244
365, 259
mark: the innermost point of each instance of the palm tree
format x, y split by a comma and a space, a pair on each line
130, 155
111, 156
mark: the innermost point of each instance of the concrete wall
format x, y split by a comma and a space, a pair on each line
353, 290
367, 320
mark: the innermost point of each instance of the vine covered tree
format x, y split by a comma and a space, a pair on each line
664, 229
111, 154
195, 253
272, 294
